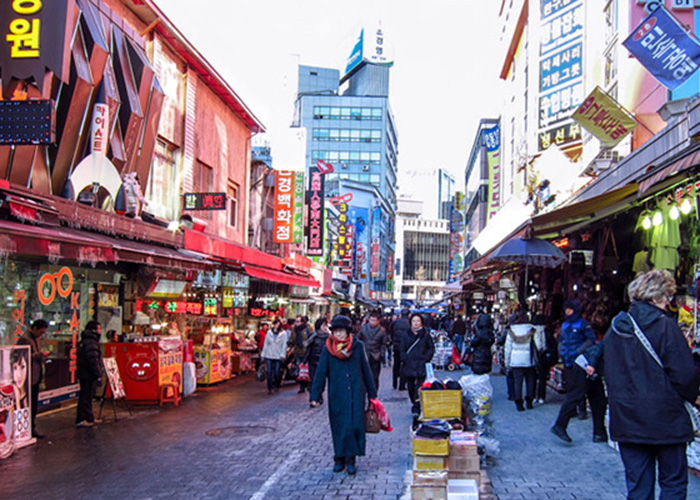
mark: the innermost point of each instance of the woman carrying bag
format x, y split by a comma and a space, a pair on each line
418, 349
344, 363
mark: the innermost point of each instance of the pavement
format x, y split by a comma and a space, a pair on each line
233, 441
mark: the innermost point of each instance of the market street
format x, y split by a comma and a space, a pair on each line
233, 441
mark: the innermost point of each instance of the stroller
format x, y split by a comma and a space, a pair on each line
461, 352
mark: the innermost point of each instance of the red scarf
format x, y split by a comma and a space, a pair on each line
341, 350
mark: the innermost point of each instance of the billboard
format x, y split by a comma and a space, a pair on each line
360, 218
315, 218
376, 241
289, 206
493, 157
370, 46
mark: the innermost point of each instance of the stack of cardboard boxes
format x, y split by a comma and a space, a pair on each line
445, 468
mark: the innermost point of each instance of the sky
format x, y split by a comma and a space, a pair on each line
444, 78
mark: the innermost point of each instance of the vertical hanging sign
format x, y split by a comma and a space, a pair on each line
298, 216
284, 206
315, 210
344, 243
493, 158
376, 246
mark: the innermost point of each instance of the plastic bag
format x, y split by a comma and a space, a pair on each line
189, 378
384, 420
477, 390
429, 373
303, 375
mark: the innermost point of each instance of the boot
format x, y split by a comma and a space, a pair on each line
528, 402
339, 464
352, 470
519, 405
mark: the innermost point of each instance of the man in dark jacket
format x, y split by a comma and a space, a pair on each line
481, 343
31, 338
648, 417
459, 327
374, 337
399, 330
298, 339
89, 372
576, 336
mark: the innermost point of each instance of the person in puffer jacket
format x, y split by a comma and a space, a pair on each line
89, 360
481, 343
523, 341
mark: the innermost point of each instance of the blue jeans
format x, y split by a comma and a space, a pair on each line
640, 470
273, 373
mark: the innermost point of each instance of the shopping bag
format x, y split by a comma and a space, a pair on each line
372, 424
384, 421
303, 375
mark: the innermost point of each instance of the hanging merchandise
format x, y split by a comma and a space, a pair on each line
665, 238
607, 262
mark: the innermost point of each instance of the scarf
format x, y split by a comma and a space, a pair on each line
341, 350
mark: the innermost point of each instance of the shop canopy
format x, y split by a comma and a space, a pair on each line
283, 277
669, 172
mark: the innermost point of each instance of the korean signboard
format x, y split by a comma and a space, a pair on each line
604, 118
493, 158
370, 46
289, 206
664, 48
36, 39
360, 216
344, 243
376, 246
315, 220
204, 201
560, 72
456, 237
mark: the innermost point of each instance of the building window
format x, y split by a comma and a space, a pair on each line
346, 113
203, 182
163, 189
232, 203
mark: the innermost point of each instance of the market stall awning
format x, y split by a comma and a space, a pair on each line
570, 218
670, 170
267, 274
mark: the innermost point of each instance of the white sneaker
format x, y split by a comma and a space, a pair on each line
540, 401
84, 423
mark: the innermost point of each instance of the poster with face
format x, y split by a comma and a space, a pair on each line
15, 397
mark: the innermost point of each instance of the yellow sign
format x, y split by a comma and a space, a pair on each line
604, 118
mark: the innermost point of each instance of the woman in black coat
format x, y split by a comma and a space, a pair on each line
315, 346
484, 338
647, 414
89, 360
344, 363
417, 350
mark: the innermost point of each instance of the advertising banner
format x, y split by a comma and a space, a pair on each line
360, 216
38, 39
376, 241
315, 220
603, 117
664, 48
343, 247
456, 237
390, 272
289, 206
114, 378
15, 397
493, 158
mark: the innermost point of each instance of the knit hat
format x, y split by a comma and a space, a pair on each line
573, 304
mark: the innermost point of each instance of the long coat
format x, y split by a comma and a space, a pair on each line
646, 401
349, 383
481, 343
89, 357
416, 356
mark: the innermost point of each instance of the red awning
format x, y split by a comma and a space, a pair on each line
670, 170
279, 276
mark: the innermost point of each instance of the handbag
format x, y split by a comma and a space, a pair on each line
303, 375
692, 413
372, 423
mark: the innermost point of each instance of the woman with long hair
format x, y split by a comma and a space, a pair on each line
417, 350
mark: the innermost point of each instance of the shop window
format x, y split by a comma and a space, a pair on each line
162, 192
232, 203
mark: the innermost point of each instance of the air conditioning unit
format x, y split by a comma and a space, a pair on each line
365, 168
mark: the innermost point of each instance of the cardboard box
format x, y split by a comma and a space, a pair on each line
429, 492
463, 444
425, 446
429, 462
476, 476
444, 404
462, 489
430, 478
463, 463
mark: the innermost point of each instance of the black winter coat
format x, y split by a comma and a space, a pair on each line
418, 349
399, 331
484, 338
315, 347
646, 401
89, 356
459, 327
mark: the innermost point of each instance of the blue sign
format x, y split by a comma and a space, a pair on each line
561, 67
563, 27
551, 7
664, 48
356, 53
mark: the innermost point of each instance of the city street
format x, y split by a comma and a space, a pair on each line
233, 441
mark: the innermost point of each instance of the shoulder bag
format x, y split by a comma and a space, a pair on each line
372, 423
692, 413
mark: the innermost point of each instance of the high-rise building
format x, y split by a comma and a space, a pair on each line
350, 125
434, 187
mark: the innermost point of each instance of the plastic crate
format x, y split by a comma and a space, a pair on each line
441, 404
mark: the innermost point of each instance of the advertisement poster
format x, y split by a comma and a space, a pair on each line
604, 118
115, 380
376, 247
170, 361
15, 397
360, 216
493, 157
664, 48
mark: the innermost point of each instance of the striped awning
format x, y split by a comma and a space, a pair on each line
670, 170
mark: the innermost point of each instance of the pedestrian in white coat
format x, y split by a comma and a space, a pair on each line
523, 341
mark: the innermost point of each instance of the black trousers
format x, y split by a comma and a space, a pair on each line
528, 375
375, 367
413, 384
34, 405
578, 386
542, 378
640, 462
397, 379
87, 394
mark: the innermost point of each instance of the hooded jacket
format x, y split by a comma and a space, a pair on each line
484, 338
646, 401
576, 335
89, 356
522, 343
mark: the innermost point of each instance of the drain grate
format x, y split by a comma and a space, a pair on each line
240, 431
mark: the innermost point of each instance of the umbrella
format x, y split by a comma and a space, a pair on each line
531, 252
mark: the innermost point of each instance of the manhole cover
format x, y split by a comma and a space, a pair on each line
240, 431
